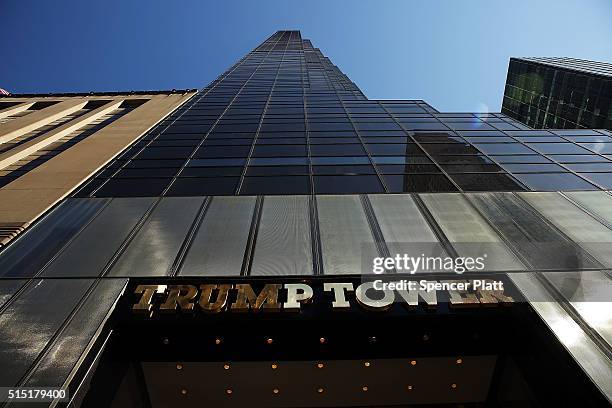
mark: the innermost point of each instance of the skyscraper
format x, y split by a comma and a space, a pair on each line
281, 188
560, 93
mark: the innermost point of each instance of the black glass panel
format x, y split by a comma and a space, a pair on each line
279, 151
165, 153
359, 169
347, 184
536, 241
191, 186
603, 180
408, 168
340, 150
448, 148
276, 170
221, 151
418, 183
467, 168
276, 185
37, 246
153, 164
210, 171
394, 149
553, 181
142, 187
486, 182
141, 173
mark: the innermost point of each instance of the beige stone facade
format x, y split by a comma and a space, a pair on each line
50, 144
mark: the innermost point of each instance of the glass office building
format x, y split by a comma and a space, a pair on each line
227, 256
559, 93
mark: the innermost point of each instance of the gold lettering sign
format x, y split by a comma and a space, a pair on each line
340, 301
145, 305
297, 293
246, 298
371, 296
179, 296
462, 298
361, 294
490, 297
219, 304
412, 297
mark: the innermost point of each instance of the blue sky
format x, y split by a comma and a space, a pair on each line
452, 53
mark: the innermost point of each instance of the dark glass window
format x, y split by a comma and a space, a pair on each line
437, 137
279, 150
467, 168
323, 134
486, 182
242, 127
541, 139
228, 142
394, 149
334, 140
222, 151
553, 181
160, 172
558, 148
601, 148
276, 185
143, 187
276, 170
377, 126
521, 159
448, 148
418, 183
282, 127
173, 143
578, 158
504, 148
216, 162
339, 126
340, 160
278, 161
347, 184
383, 133
210, 171
388, 139
423, 126
198, 128
332, 150
280, 135
165, 153
360, 169
407, 168
473, 124
192, 186
589, 139
604, 180
497, 139
579, 167
400, 159
533, 168
227, 136
275, 141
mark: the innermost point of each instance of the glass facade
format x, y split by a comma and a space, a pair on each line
558, 241
559, 93
321, 235
285, 120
